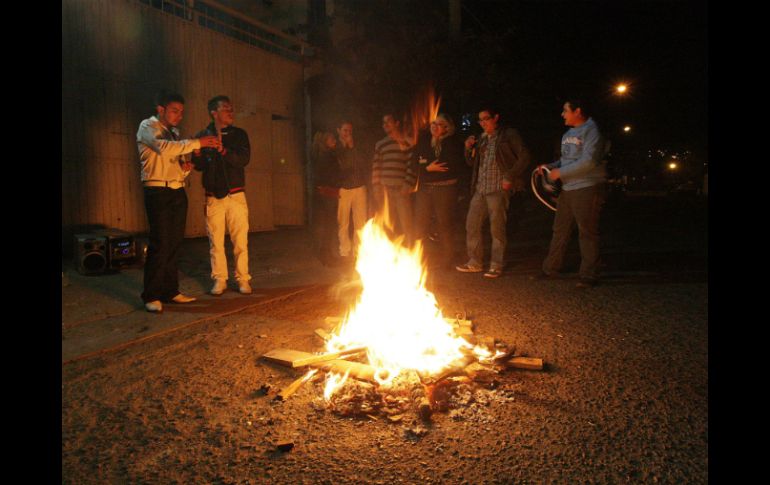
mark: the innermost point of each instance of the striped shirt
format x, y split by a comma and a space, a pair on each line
490, 177
391, 164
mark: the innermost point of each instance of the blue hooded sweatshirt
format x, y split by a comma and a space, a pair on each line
582, 162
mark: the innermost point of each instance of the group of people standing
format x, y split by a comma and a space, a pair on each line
410, 183
422, 183
416, 183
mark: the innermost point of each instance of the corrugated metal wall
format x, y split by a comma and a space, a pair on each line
116, 54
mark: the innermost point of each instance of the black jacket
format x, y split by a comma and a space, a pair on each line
511, 155
223, 174
452, 153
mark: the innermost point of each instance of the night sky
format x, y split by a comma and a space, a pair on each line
659, 47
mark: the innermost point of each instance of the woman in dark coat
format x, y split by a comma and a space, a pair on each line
440, 160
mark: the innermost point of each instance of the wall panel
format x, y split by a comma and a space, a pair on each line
116, 54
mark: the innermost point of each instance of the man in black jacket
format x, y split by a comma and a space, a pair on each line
224, 180
499, 163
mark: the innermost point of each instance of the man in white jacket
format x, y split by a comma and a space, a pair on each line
163, 170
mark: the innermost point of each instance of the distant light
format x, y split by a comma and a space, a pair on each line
621, 88
672, 166
626, 128
465, 121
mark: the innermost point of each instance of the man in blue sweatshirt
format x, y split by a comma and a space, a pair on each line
582, 170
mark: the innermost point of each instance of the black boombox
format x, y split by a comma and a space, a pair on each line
104, 249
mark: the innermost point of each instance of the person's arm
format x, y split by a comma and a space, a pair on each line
152, 138
515, 157
199, 161
471, 150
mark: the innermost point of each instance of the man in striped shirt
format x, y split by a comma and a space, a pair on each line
392, 174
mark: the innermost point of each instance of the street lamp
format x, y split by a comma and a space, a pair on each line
621, 88
627, 128
673, 166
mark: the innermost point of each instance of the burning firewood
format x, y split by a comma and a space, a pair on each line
295, 358
323, 334
292, 388
357, 370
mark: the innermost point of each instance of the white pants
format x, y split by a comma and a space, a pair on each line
233, 212
350, 200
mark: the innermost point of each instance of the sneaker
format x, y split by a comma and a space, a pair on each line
585, 283
493, 273
180, 298
244, 287
219, 287
154, 306
468, 268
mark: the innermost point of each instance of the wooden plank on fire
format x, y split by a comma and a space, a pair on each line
463, 331
323, 334
326, 357
528, 363
362, 372
457, 322
292, 388
332, 320
285, 356
295, 358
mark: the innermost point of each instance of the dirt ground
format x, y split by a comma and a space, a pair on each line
622, 399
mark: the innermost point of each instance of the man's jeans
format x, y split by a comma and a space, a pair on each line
582, 206
495, 206
230, 211
351, 200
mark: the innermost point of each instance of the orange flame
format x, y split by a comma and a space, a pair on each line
424, 110
396, 318
333, 383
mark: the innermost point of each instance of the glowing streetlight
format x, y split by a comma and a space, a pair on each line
627, 128
673, 166
621, 88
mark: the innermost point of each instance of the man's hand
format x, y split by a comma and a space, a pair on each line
210, 141
554, 175
186, 166
469, 142
436, 166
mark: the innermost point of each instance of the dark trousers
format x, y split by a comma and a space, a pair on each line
325, 221
515, 213
581, 206
441, 200
166, 214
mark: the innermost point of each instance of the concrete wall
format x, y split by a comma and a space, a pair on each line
116, 54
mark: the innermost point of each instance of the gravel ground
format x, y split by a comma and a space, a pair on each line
623, 397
